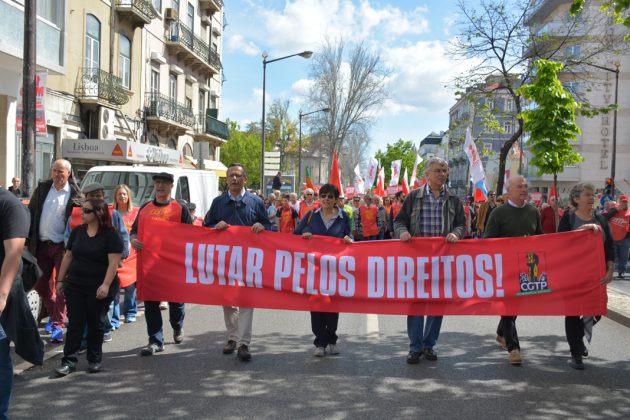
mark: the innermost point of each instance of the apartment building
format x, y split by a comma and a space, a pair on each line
132, 72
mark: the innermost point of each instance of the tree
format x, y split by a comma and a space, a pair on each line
551, 123
351, 90
243, 147
402, 149
617, 8
281, 131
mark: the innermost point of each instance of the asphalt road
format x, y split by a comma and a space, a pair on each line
369, 379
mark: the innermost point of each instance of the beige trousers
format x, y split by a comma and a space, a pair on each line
238, 322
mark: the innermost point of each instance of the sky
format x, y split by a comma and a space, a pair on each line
410, 36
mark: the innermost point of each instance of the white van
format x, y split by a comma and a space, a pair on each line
194, 186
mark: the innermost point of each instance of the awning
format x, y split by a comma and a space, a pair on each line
210, 165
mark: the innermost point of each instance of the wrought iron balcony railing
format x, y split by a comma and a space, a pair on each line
218, 3
140, 7
210, 125
98, 84
162, 106
182, 34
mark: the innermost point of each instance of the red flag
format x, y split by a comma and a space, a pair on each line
335, 174
380, 185
552, 193
405, 185
479, 195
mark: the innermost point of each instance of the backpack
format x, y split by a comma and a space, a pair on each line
30, 272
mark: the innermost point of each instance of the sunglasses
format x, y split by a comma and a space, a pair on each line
309, 194
85, 210
330, 196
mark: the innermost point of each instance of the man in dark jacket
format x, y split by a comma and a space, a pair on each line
13, 231
50, 207
429, 211
240, 208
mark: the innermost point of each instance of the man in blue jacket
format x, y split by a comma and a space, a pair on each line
237, 207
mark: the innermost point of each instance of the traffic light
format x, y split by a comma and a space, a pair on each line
609, 188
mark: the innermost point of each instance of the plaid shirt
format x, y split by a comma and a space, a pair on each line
430, 219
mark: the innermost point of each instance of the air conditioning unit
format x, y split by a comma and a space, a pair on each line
170, 13
106, 123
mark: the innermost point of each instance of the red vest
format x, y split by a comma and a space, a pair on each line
305, 208
286, 223
172, 212
619, 224
129, 218
396, 209
368, 220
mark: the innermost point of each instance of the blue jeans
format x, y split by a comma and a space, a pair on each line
621, 254
113, 314
6, 375
130, 306
153, 316
423, 338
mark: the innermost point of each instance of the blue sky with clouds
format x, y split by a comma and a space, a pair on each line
410, 36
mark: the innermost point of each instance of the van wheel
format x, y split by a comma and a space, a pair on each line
34, 303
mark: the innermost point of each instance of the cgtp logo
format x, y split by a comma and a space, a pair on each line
532, 277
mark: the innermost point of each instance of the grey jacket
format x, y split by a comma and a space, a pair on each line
453, 217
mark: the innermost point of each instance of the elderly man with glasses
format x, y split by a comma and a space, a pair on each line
308, 203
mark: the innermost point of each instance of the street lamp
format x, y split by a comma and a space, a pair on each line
304, 54
613, 158
299, 183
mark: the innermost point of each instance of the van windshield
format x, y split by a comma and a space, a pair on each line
140, 183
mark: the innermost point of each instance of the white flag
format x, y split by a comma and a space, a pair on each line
360, 183
414, 173
371, 175
477, 173
396, 164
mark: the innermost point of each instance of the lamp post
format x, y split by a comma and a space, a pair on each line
299, 183
613, 158
304, 54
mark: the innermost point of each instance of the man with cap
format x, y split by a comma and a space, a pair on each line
96, 191
192, 208
619, 220
165, 208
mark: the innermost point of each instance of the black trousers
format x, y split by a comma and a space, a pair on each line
324, 326
574, 328
507, 330
84, 311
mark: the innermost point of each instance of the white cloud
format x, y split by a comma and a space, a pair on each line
302, 87
238, 43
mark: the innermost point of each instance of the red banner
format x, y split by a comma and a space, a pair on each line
537, 275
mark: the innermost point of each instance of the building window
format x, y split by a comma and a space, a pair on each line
175, 5
153, 140
188, 95
92, 42
155, 81
201, 106
572, 52
509, 105
124, 61
490, 103
187, 150
172, 87
157, 5
190, 18
51, 10
172, 143
508, 127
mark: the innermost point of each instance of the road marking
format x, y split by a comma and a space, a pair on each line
372, 327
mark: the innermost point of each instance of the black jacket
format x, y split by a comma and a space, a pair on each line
19, 325
566, 225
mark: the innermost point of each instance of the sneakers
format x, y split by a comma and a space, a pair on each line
130, 319
413, 358
333, 349
65, 369
178, 335
163, 306
576, 363
429, 354
151, 349
243, 353
515, 357
107, 337
49, 326
56, 335
502, 342
229, 347
319, 352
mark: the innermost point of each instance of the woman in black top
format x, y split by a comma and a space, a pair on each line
87, 278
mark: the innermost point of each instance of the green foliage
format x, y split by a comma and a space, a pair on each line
244, 147
617, 8
404, 150
551, 124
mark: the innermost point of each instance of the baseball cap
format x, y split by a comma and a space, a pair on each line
623, 198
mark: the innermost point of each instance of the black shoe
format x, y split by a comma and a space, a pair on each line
151, 349
576, 363
243, 353
229, 347
94, 367
413, 357
178, 335
65, 369
429, 354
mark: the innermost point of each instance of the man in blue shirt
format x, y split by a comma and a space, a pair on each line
237, 207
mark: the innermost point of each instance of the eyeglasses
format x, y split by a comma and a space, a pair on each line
309, 194
85, 210
329, 196
491, 195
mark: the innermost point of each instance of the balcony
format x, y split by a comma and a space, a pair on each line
96, 86
192, 50
211, 6
167, 115
542, 9
210, 129
139, 12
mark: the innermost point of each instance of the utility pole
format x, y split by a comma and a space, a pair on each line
28, 98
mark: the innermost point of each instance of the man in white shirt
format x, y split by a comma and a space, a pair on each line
50, 207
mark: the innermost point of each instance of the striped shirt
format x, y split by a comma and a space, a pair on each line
430, 218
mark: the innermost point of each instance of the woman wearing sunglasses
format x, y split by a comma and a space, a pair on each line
86, 276
327, 220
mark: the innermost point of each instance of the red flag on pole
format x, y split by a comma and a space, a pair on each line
552, 193
380, 185
405, 184
335, 174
